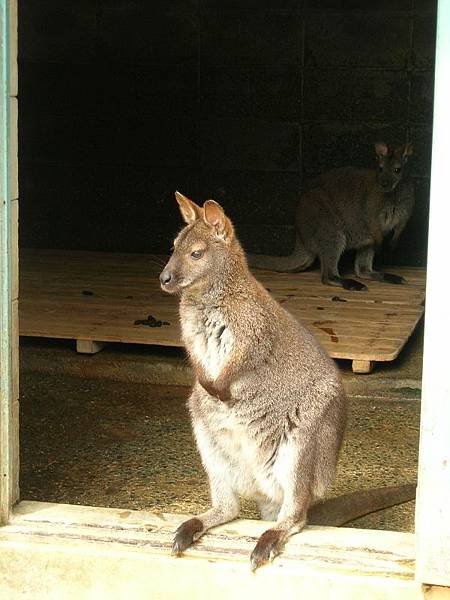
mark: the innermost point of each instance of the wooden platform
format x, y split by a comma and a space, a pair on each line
96, 297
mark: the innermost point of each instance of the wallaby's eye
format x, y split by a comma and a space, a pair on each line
197, 254
397, 170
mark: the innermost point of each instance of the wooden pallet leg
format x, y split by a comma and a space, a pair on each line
362, 366
89, 346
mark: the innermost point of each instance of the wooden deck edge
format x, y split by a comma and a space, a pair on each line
64, 551
101, 341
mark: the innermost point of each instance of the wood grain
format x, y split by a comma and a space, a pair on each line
100, 297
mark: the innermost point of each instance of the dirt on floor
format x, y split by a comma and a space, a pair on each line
121, 442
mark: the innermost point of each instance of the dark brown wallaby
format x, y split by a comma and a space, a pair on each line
347, 209
268, 408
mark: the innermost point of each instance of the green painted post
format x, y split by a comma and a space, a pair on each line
7, 456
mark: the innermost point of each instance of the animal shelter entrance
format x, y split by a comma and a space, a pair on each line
237, 103
104, 297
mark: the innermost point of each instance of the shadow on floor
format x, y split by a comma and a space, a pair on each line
121, 444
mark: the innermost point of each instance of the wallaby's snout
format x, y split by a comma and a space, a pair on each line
168, 279
165, 277
387, 184
173, 277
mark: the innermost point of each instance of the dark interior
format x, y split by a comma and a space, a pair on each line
124, 101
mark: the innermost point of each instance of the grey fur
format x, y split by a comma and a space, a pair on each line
346, 209
268, 408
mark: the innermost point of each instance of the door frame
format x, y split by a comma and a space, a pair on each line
44, 545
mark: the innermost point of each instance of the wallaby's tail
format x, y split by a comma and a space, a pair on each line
299, 260
346, 508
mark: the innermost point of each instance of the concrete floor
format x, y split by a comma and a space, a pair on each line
113, 430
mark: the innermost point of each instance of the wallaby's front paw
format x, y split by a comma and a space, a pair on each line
391, 278
215, 390
186, 534
269, 545
352, 284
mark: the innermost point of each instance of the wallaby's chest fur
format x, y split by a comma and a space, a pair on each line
351, 202
207, 334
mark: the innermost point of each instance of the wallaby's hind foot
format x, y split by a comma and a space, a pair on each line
381, 276
352, 284
270, 545
347, 284
186, 534
329, 262
391, 278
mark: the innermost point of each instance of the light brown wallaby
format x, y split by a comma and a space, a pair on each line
346, 209
268, 408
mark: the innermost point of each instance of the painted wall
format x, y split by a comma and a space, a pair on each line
124, 101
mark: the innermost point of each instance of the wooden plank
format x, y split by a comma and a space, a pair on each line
105, 294
86, 552
362, 366
89, 346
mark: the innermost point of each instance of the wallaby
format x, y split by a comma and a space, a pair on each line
350, 208
268, 408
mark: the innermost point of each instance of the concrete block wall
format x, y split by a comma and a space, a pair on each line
124, 101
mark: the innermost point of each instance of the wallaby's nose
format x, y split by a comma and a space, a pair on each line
385, 182
165, 277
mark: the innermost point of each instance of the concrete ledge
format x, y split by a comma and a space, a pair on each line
63, 551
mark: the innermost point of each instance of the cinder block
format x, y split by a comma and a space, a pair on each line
267, 92
58, 31
421, 103
279, 5
135, 32
355, 94
355, 40
361, 5
252, 198
424, 41
256, 38
247, 144
61, 89
421, 137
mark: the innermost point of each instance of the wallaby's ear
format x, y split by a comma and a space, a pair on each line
407, 151
404, 152
381, 149
215, 216
189, 210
